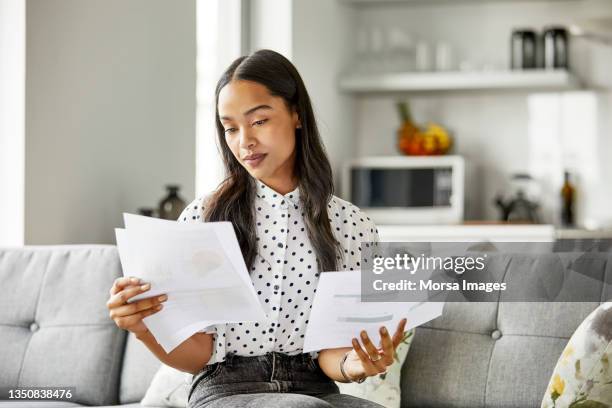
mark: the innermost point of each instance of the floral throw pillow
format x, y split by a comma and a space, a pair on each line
384, 389
583, 376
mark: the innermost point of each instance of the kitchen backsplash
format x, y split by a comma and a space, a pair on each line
501, 133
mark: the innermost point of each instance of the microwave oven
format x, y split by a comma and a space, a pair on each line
407, 190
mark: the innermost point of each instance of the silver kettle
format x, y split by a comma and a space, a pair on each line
519, 207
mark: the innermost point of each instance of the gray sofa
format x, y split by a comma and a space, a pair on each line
55, 331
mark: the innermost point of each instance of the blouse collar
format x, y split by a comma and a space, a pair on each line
276, 199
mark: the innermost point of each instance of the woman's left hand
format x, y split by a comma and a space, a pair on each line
362, 363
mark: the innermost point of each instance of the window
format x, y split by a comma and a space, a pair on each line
222, 36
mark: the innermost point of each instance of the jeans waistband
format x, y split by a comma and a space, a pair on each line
270, 372
272, 357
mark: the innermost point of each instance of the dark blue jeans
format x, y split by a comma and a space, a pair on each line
270, 380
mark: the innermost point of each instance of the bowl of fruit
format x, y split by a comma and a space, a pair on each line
414, 140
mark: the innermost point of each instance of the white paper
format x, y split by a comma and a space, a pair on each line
338, 314
198, 265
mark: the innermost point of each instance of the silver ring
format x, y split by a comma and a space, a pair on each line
379, 357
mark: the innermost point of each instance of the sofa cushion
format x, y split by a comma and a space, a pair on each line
480, 354
139, 368
55, 327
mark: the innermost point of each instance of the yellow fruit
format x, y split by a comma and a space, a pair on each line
430, 144
441, 136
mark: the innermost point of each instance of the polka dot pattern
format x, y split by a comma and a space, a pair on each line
285, 272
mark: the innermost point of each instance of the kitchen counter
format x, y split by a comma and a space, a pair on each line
578, 233
491, 232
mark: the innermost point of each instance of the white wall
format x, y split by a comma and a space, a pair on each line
272, 26
322, 33
110, 113
12, 133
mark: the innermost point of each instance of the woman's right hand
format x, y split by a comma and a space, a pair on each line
128, 316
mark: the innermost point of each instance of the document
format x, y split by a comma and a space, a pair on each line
198, 265
338, 314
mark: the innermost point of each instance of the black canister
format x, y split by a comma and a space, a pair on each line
523, 49
556, 48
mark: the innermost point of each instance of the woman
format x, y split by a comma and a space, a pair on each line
278, 193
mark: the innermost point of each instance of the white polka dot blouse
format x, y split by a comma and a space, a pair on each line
285, 272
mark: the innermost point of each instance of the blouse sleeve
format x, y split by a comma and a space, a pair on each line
194, 212
364, 231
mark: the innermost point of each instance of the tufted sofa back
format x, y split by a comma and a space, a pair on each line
54, 326
502, 354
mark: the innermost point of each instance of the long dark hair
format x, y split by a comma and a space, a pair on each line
233, 199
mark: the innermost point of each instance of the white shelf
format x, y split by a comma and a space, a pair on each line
458, 81
433, 2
